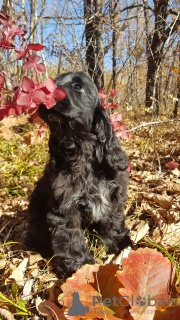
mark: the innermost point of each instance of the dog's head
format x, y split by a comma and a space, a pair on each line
79, 104
79, 116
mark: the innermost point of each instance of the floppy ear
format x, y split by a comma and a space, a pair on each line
109, 149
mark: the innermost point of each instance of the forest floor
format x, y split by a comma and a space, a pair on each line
152, 209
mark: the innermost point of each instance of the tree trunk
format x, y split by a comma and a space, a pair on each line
155, 53
33, 21
90, 38
99, 76
178, 87
130, 71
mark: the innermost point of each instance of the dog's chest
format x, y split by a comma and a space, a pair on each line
91, 196
95, 200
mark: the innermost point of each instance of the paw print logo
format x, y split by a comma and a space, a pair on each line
141, 301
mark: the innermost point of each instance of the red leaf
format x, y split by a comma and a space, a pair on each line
125, 135
104, 105
21, 54
40, 67
1, 82
113, 106
119, 133
112, 92
115, 125
50, 101
59, 94
123, 127
146, 274
27, 84
35, 47
102, 95
118, 116
172, 165
6, 110
129, 168
18, 110
39, 96
34, 58
50, 84
28, 64
24, 99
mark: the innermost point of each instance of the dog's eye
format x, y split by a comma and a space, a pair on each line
77, 86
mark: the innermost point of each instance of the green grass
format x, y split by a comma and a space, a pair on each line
21, 164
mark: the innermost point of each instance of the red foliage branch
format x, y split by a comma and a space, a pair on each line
28, 96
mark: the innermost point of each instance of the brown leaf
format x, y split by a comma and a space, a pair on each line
169, 234
173, 187
35, 258
33, 137
15, 121
92, 283
146, 276
141, 230
50, 310
5, 133
163, 200
169, 313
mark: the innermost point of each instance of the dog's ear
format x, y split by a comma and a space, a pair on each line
109, 149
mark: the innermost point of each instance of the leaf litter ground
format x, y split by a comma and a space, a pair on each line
152, 211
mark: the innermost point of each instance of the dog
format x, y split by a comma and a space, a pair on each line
85, 182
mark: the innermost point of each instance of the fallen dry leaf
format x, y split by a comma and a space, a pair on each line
141, 230
94, 283
18, 273
27, 289
173, 187
6, 134
155, 214
50, 310
169, 313
35, 258
32, 137
2, 264
12, 121
163, 200
176, 172
169, 234
146, 276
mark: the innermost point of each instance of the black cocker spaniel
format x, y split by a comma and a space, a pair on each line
85, 182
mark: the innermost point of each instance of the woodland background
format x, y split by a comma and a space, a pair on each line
132, 47
129, 45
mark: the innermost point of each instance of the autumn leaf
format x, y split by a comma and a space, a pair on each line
101, 94
162, 200
2, 79
172, 165
35, 47
95, 284
175, 69
146, 276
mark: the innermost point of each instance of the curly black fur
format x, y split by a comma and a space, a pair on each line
85, 181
